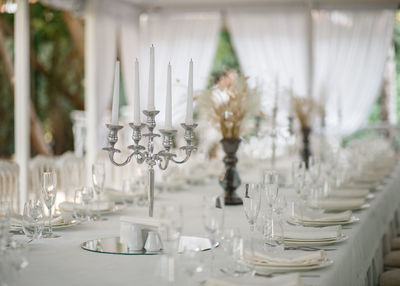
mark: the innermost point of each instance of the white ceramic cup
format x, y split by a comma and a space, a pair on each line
153, 242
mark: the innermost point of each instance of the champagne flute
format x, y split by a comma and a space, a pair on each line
49, 193
98, 178
33, 219
251, 203
271, 185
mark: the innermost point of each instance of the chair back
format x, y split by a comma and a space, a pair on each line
9, 191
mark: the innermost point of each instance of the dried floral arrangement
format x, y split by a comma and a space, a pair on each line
305, 108
227, 105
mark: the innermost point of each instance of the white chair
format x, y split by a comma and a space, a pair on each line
9, 191
37, 166
72, 174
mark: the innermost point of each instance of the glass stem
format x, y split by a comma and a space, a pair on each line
50, 219
252, 227
212, 254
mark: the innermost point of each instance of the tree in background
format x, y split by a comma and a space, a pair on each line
56, 79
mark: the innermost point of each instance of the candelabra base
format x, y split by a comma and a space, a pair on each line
232, 199
230, 179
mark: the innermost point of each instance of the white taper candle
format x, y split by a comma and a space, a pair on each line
189, 105
168, 102
150, 98
115, 102
136, 97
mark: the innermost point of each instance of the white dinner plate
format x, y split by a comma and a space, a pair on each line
315, 243
58, 225
353, 219
112, 209
268, 269
340, 209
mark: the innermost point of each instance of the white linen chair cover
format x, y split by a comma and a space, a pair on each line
9, 191
72, 174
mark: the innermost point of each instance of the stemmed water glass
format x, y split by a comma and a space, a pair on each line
33, 219
213, 219
171, 220
251, 203
49, 193
82, 199
98, 178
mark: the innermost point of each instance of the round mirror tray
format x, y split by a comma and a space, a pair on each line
113, 245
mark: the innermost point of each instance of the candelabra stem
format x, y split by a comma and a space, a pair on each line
151, 190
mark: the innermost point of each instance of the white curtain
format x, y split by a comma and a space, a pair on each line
271, 44
177, 38
350, 51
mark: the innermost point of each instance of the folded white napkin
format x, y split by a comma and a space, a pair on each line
292, 279
193, 243
349, 193
133, 230
359, 185
288, 258
312, 233
338, 204
315, 216
144, 222
97, 206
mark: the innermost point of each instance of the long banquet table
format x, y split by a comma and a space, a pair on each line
61, 261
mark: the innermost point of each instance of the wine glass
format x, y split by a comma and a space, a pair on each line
251, 203
33, 219
213, 219
82, 199
49, 193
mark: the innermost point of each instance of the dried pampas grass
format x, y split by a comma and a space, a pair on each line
227, 107
305, 109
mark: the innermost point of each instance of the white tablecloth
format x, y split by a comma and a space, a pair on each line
61, 261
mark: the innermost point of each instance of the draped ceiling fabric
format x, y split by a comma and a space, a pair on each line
271, 45
349, 52
177, 38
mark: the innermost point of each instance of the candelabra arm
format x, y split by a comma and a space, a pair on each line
166, 163
183, 160
111, 155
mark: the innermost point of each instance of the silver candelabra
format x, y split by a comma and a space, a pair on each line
147, 154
